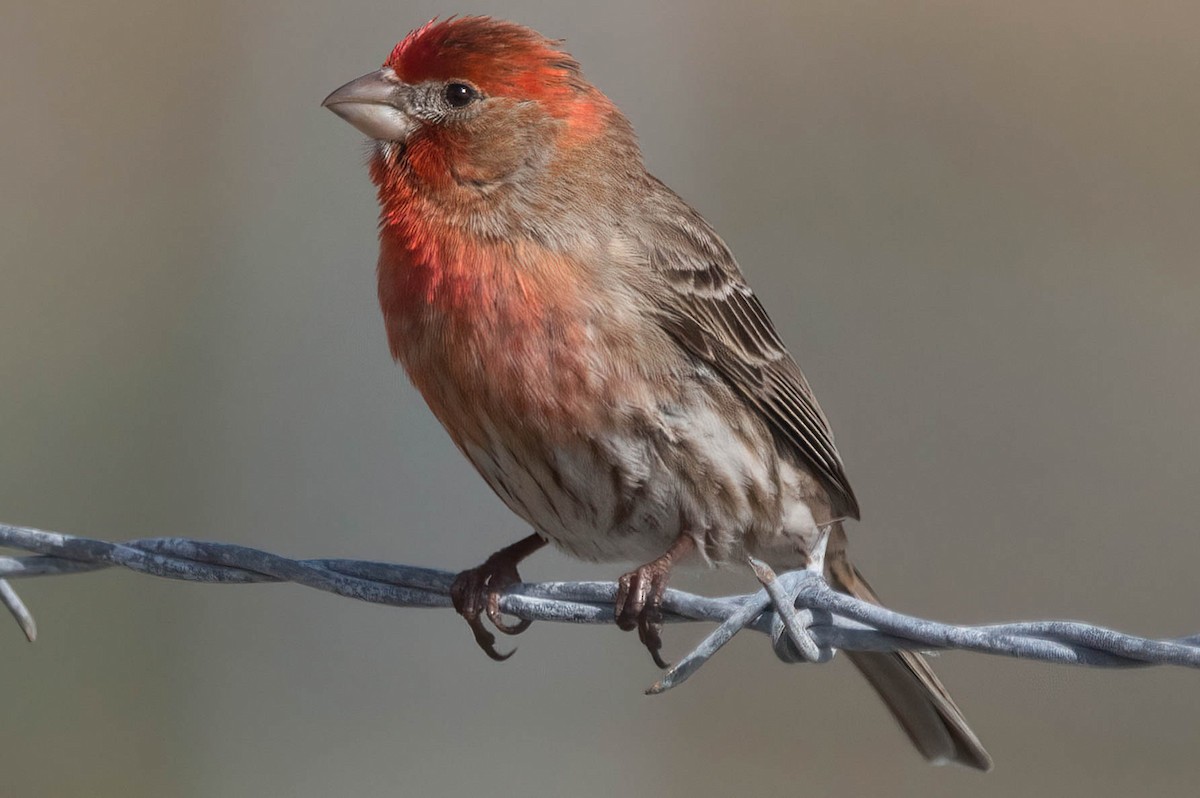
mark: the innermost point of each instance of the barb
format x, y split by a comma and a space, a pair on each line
826, 619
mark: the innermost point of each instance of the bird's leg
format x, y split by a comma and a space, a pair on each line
640, 594
478, 590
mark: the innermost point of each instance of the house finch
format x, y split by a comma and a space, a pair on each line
592, 347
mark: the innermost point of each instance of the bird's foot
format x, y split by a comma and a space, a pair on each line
639, 597
477, 592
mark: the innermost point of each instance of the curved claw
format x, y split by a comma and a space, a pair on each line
477, 591
486, 640
638, 603
472, 593
650, 633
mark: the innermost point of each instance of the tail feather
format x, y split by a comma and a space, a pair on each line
906, 683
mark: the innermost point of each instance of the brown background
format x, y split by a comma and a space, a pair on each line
975, 223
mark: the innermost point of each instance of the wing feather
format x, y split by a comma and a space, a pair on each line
710, 311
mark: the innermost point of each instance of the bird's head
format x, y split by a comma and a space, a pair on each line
471, 103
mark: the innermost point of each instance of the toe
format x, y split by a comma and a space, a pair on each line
650, 620
494, 615
627, 605
464, 593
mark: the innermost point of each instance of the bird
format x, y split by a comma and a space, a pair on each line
592, 347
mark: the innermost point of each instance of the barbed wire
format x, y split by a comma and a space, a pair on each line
806, 619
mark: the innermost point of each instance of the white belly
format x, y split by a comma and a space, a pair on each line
626, 494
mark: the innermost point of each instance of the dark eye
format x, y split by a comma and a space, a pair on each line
460, 95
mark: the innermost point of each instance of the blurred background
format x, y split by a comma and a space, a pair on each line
976, 224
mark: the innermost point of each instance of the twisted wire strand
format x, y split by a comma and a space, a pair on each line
827, 620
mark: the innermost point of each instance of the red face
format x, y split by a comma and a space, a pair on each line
472, 101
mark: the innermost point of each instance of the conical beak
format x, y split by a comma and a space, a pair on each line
375, 105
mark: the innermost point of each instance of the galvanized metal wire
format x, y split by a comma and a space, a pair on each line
806, 619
